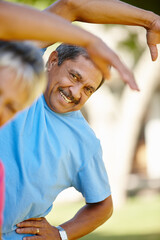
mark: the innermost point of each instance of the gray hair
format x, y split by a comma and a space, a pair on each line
26, 60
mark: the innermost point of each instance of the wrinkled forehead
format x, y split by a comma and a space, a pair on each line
86, 69
84, 62
9, 76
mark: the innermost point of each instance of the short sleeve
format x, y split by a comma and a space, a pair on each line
92, 179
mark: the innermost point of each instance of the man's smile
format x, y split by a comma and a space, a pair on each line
68, 98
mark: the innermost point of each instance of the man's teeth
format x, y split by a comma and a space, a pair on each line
65, 98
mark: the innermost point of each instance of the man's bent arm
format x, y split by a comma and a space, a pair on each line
88, 218
85, 221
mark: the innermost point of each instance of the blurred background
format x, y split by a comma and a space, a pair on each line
128, 125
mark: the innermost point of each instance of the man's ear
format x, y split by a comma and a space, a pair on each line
52, 60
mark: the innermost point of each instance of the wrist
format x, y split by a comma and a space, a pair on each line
148, 19
62, 233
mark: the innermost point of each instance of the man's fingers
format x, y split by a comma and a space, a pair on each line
104, 57
33, 238
107, 74
154, 51
34, 219
28, 230
126, 74
29, 223
105, 69
123, 71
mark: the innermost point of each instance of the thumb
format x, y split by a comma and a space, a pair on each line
154, 51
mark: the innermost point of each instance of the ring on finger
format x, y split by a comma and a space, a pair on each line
37, 230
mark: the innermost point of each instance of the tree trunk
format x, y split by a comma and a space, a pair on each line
133, 109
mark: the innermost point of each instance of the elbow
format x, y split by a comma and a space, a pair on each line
108, 208
74, 8
110, 211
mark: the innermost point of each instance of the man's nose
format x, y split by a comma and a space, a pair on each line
76, 91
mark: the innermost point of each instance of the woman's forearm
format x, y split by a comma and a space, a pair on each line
22, 22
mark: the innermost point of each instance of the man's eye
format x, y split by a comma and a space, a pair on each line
74, 77
88, 91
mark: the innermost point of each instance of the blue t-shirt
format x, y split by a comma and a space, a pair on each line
44, 153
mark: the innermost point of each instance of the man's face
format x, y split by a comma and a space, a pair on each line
12, 95
70, 84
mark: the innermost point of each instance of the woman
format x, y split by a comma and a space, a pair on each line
22, 77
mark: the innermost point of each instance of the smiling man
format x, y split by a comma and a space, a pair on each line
50, 147
73, 82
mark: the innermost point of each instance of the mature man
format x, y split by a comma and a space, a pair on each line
50, 147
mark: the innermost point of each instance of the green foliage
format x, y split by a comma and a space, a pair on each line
132, 45
36, 3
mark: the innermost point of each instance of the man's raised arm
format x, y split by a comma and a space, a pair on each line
85, 221
21, 22
111, 12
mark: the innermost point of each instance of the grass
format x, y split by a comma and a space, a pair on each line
139, 219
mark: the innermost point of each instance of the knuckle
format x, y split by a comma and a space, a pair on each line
33, 230
43, 220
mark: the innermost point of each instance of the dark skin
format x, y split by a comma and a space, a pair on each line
55, 28
77, 77
97, 12
122, 14
95, 214
111, 12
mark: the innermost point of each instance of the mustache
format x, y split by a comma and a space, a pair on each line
70, 96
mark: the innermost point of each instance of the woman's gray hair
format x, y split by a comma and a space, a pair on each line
26, 60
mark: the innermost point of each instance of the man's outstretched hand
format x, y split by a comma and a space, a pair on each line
104, 57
